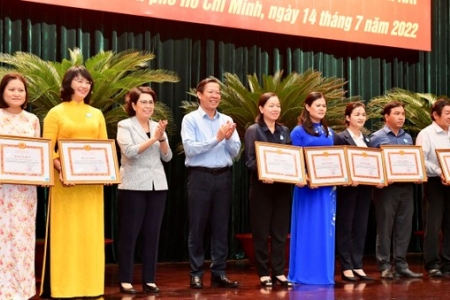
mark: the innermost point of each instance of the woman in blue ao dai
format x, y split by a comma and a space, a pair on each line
313, 209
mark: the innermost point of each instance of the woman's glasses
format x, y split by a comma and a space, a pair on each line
81, 80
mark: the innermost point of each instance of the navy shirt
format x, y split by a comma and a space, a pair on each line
260, 132
385, 136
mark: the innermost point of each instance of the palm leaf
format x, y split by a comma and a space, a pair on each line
240, 101
417, 108
114, 74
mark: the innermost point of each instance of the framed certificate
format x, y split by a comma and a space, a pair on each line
404, 163
326, 166
26, 161
88, 161
280, 163
366, 165
443, 156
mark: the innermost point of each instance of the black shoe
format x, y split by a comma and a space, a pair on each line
284, 283
445, 273
266, 283
130, 290
408, 273
196, 282
223, 281
387, 274
363, 277
149, 289
434, 273
348, 278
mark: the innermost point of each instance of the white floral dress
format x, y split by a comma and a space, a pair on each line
17, 219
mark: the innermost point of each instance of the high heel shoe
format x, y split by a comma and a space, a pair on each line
363, 277
125, 290
150, 288
348, 278
266, 283
284, 283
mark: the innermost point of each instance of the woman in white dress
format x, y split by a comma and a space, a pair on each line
17, 202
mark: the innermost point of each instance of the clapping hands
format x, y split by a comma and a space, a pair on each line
226, 131
160, 129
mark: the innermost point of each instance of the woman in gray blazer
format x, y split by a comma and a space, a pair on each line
143, 189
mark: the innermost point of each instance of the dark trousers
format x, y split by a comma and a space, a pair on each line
140, 212
394, 210
270, 206
352, 213
209, 197
437, 222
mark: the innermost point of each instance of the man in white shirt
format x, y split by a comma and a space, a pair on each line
437, 191
210, 142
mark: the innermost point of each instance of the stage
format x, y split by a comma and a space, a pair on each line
173, 281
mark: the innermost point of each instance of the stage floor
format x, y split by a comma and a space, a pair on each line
173, 281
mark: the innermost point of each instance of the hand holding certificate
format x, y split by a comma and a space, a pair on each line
25, 161
280, 163
404, 163
366, 165
327, 166
88, 161
443, 156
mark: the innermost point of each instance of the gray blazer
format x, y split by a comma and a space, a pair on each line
145, 171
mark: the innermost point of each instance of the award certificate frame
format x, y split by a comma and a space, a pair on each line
404, 163
327, 166
26, 160
89, 161
280, 163
366, 165
443, 156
